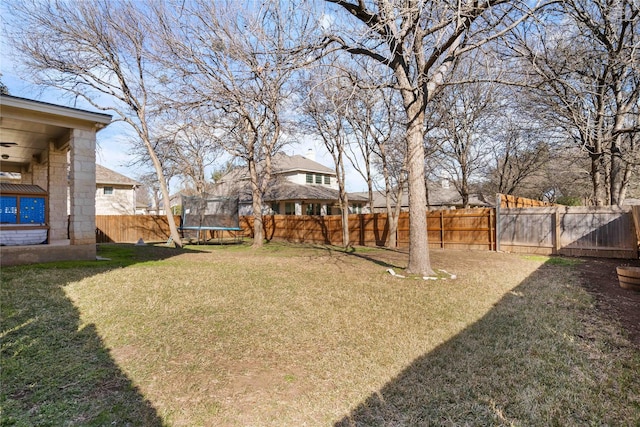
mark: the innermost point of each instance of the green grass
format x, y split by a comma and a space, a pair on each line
553, 260
308, 335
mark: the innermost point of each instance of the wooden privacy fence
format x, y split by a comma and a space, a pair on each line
568, 230
573, 231
460, 229
510, 201
131, 228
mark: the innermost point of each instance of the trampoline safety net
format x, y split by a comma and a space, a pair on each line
209, 212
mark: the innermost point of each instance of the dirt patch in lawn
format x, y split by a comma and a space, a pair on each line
599, 277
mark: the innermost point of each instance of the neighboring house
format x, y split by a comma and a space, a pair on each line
115, 193
299, 186
143, 208
49, 153
440, 196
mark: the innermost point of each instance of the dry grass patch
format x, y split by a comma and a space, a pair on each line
299, 335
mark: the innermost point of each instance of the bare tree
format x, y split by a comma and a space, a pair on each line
97, 50
234, 63
376, 128
140, 159
520, 148
194, 150
584, 68
420, 42
466, 115
325, 108
392, 162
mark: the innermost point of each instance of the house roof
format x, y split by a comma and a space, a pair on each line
438, 196
282, 190
9, 188
282, 163
107, 176
28, 127
47, 107
292, 191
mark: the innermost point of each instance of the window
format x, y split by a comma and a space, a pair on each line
309, 178
289, 208
327, 180
329, 210
108, 191
275, 207
314, 209
318, 178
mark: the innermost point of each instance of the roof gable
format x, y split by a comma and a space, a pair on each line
107, 176
284, 163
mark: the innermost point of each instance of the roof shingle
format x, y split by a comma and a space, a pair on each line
107, 176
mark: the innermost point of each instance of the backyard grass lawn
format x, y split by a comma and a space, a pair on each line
293, 335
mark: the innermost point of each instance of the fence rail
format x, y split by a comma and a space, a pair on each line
574, 231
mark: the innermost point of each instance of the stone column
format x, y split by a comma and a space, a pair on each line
82, 230
57, 184
40, 171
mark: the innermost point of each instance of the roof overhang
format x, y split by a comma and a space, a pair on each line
27, 127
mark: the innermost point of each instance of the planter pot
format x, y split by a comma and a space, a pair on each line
629, 277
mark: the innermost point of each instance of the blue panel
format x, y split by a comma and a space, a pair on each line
32, 210
8, 209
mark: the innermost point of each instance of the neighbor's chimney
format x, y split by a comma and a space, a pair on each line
311, 155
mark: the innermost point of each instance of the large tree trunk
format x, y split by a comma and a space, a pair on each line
618, 174
256, 203
164, 189
346, 241
419, 262
392, 222
344, 199
393, 217
596, 180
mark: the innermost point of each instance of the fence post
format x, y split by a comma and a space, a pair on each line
491, 228
556, 232
498, 207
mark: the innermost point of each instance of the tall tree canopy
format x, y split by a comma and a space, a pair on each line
420, 42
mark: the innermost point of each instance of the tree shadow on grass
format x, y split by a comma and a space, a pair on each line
528, 361
55, 372
385, 257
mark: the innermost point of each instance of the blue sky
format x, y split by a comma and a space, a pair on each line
114, 142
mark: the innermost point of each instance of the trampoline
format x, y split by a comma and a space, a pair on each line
210, 218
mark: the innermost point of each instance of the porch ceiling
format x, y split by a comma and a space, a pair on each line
23, 141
